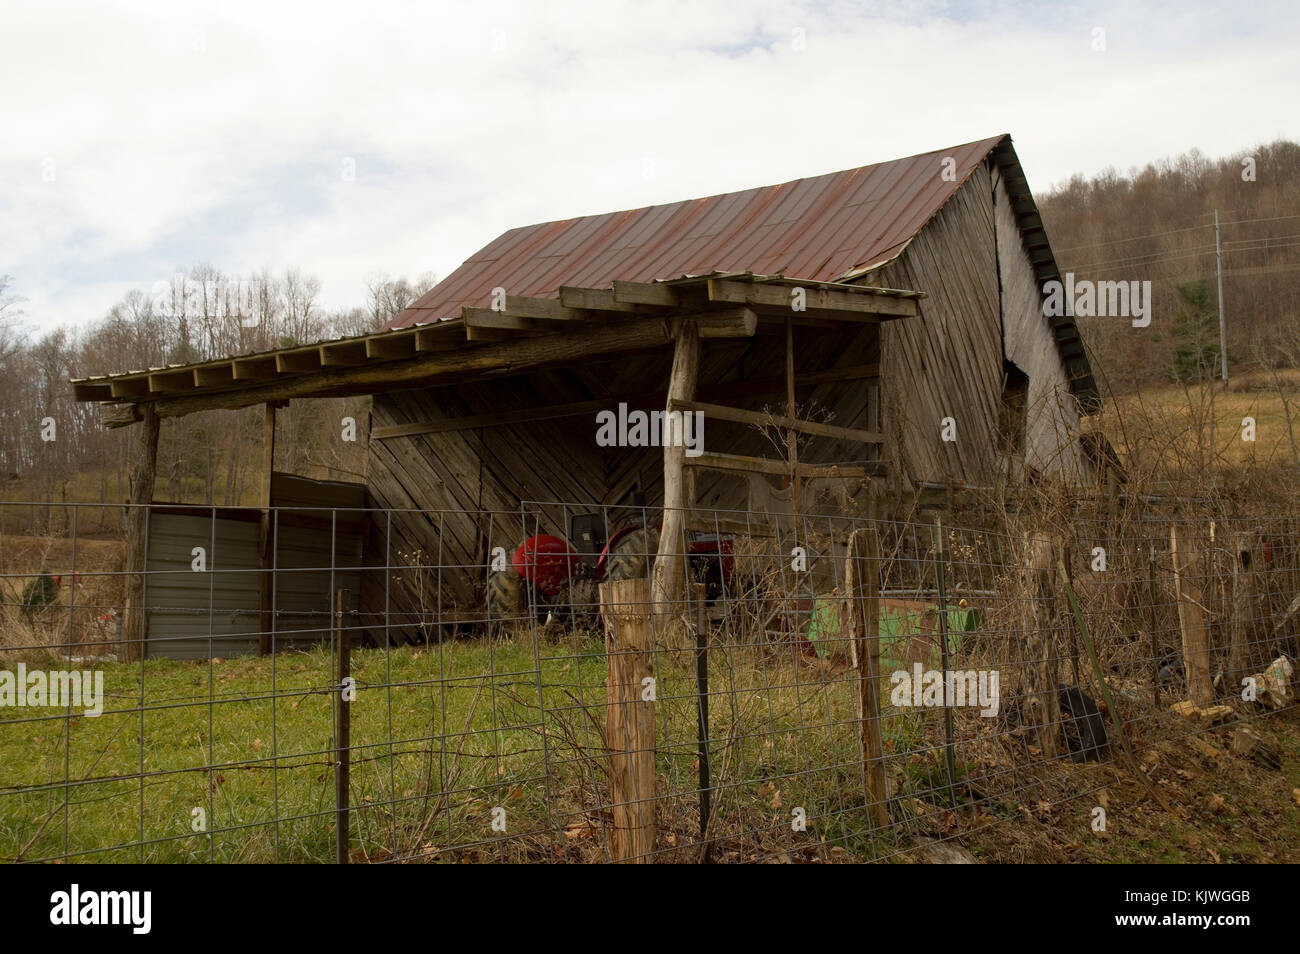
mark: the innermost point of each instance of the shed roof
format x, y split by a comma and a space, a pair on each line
828, 228
836, 228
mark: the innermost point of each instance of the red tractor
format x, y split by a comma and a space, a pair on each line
549, 579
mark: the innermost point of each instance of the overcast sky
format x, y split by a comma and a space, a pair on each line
399, 138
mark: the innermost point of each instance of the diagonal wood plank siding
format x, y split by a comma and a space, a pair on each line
947, 362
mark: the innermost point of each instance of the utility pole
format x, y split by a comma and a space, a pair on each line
1223, 327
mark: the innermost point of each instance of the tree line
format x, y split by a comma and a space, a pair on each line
1157, 224
54, 448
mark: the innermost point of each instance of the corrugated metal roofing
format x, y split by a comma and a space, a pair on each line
820, 229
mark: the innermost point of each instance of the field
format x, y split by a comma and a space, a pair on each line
442, 736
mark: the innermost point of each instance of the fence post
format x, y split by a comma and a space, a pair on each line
862, 589
342, 728
702, 716
630, 716
1191, 622
1042, 702
1242, 590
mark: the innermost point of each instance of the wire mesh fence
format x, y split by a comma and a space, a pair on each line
563, 685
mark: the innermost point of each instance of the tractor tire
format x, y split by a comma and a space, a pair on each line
630, 558
505, 598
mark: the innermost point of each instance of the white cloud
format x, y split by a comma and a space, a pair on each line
218, 133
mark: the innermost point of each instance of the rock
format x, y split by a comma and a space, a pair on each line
931, 852
1205, 717
1248, 743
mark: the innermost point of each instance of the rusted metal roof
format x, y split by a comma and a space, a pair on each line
826, 228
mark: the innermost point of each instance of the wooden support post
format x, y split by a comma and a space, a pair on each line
134, 622
669, 567
1042, 700
1153, 616
1243, 580
630, 717
265, 536
862, 590
342, 726
1191, 621
791, 436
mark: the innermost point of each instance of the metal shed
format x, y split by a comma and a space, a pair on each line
199, 610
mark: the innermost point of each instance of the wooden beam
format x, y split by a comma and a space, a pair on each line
91, 390
767, 465
647, 293
543, 309
447, 336
134, 631
391, 348
644, 400
759, 419
819, 301
217, 375
594, 299
508, 357
295, 361
727, 323
129, 387
166, 381
343, 354
255, 369
504, 418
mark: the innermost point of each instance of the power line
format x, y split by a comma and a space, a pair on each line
1190, 228
1154, 257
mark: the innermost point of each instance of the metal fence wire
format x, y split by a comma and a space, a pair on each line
833, 688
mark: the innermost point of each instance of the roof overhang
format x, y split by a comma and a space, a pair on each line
518, 335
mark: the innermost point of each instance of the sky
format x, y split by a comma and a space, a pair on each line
397, 138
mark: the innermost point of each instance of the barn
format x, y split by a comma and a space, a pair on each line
876, 328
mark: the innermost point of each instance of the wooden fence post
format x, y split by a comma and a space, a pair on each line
862, 589
1241, 604
342, 727
630, 716
1042, 700
1191, 621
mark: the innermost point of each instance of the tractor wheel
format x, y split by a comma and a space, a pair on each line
629, 560
505, 599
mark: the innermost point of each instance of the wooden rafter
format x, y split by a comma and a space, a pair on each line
734, 305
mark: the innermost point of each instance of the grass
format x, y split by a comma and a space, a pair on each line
247, 741
1175, 431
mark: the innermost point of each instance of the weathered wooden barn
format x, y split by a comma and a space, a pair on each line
881, 324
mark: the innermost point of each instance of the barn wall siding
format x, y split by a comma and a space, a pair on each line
947, 361
1051, 433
